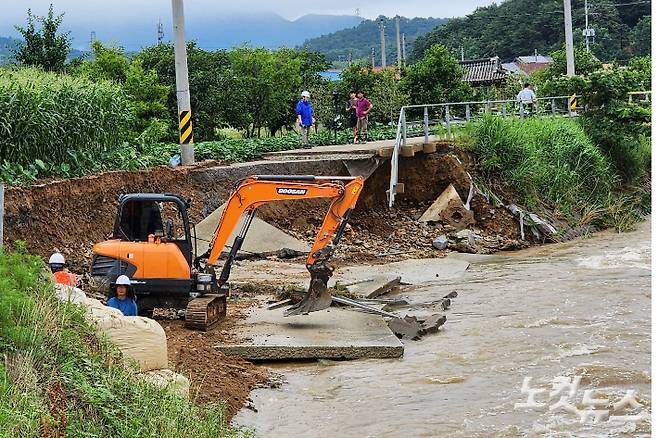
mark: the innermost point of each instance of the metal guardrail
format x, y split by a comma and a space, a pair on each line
458, 113
642, 96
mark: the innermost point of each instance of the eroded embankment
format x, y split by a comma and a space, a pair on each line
71, 215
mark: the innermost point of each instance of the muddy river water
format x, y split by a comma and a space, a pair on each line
549, 313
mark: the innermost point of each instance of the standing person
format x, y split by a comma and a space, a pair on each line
305, 117
123, 296
526, 99
363, 107
350, 108
58, 274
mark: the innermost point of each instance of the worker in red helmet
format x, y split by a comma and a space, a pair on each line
123, 296
58, 274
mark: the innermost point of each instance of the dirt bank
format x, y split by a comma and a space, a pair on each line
70, 216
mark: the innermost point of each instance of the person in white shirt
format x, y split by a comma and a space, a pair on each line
527, 98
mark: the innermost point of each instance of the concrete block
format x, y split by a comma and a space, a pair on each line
449, 209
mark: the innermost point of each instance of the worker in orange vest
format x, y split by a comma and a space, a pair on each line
59, 275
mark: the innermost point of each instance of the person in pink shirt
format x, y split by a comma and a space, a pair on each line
363, 107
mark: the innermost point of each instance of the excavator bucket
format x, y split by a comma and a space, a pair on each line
318, 296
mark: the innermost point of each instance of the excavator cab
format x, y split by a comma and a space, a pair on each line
151, 243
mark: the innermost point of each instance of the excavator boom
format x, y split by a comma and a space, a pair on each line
255, 191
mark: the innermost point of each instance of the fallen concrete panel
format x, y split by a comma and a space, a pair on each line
262, 238
331, 334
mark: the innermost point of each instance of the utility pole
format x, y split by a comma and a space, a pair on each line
462, 50
397, 36
404, 51
160, 31
372, 55
383, 41
92, 38
568, 36
587, 32
182, 85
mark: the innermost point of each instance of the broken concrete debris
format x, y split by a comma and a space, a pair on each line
449, 209
412, 327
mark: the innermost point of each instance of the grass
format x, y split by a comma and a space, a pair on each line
554, 162
60, 379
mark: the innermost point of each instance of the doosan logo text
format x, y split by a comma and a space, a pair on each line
290, 191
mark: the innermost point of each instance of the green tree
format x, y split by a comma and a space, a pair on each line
43, 47
585, 63
213, 96
109, 63
388, 96
436, 78
148, 95
266, 84
641, 37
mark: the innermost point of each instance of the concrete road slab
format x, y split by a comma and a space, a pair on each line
330, 334
262, 238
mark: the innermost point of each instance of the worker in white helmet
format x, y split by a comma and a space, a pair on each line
123, 296
58, 274
305, 119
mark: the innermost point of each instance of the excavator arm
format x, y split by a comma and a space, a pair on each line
255, 191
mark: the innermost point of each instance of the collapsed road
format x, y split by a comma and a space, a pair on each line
377, 239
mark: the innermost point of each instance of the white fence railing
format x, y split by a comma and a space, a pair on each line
449, 115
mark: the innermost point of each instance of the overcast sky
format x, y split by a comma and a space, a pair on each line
14, 11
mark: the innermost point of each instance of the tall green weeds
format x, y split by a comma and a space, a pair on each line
544, 160
59, 379
48, 117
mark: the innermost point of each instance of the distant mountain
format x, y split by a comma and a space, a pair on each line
211, 31
358, 41
517, 27
6, 46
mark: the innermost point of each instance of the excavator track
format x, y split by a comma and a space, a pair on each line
204, 312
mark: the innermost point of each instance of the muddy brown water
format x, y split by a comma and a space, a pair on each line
581, 308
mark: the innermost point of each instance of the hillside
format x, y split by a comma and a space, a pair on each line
360, 39
6, 45
518, 27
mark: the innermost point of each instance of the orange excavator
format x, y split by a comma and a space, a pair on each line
158, 255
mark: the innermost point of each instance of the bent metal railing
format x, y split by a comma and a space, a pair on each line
446, 116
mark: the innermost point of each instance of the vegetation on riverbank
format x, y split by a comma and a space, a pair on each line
58, 378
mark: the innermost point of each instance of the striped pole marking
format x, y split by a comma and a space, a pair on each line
573, 102
185, 127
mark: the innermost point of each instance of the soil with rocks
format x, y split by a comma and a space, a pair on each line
214, 376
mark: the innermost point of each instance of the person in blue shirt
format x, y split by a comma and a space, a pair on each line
305, 117
124, 297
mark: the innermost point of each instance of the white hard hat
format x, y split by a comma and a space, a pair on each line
122, 279
56, 259
306, 94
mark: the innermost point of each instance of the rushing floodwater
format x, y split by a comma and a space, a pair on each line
582, 308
